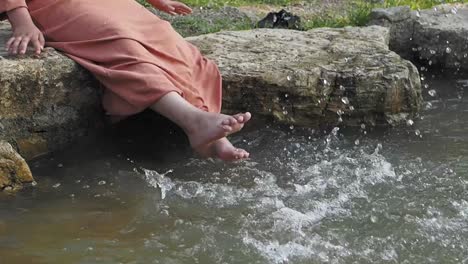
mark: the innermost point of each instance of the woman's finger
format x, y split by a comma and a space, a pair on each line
42, 40
183, 7
37, 45
23, 45
14, 46
9, 42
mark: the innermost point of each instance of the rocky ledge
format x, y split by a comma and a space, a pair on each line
313, 78
436, 37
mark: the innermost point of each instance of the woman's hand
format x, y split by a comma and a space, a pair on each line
171, 7
24, 33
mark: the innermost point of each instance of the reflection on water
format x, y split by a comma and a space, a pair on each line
384, 195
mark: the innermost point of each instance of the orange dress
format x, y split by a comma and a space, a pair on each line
137, 56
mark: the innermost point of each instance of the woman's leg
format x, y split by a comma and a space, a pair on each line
206, 131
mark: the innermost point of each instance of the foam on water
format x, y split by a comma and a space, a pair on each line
282, 218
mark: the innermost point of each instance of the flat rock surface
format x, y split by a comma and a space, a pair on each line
319, 77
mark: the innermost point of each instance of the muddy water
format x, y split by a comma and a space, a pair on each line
364, 195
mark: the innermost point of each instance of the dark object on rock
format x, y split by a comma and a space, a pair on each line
281, 19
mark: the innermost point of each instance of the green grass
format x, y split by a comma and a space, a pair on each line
350, 13
219, 3
420, 4
358, 11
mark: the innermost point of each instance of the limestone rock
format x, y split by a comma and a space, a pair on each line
316, 77
434, 37
13, 168
46, 102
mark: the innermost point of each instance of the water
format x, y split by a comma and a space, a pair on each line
363, 195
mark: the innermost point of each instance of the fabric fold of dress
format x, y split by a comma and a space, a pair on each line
137, 56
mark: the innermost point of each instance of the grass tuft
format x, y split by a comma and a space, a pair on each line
347, 13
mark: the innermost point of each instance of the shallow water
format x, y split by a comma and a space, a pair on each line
364, 195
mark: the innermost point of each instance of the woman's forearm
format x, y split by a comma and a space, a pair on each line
19, 17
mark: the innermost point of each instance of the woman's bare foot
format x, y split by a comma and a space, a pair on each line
206, 131
223, 150
209, 127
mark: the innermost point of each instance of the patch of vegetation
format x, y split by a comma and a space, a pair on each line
197, 25
357, 12
220, 3
420, 4
335, 13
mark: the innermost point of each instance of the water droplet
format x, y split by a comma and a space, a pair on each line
339, 112
356, 142
286, 95
432, 52
351, 108
101, 182
340, 120
448, 50
335, 130
417, 132
325, 82
363, 126
345, 100
429, 62
426, 86
288, 78
85, 186
342, 88
465, 55
379, 147
428, 105
432, 92
346, 60
423, 78
285, 112
374, 219
34, 183
60, 165
409, 122
56, 185
291, 127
